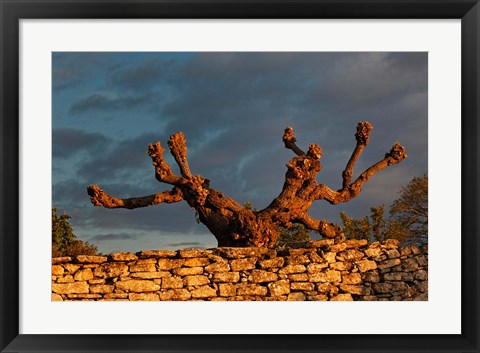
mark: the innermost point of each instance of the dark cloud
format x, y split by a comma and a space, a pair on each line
109, 237
108, 102
143, 75
67, 142
126, 158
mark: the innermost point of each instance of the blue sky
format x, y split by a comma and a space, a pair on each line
232, 108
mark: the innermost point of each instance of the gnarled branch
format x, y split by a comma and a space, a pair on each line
326, 229
323, 192
163, 171
363, 138
289, 140
98, 197
179, 152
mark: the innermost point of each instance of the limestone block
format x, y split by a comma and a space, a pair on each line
61, 260
421, 275
137, 286
304, 286
172, 282
388, 263
197, 261
250, 289
186, 253
111, 269
217, 267
146, 265
259, 276
56, 297
146, 254
239, 253
298, 277
101, 288
204, 292
355, 289
83, 275
316, 267
366, 265
373, 252
230, 277
342, 297
272, 263
243, 264
143, 297
123, 256
66, 279
297, 260
341, 266
383, 287
195, 281
68, 288
292, 269
279, 288
327, 288
352, 278
151, 275
355, 243
330, 257
333, 276
227, 289
115, 296
57, 270
91, 259
71, 268
188, 271
297, 296
169, 264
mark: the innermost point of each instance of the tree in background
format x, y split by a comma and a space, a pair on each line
64, 241
411, 209
297, 233
408, 221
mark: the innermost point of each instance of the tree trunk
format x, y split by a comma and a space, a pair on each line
234, 225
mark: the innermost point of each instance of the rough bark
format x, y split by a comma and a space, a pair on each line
235, 225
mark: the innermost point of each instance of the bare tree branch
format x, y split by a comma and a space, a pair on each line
179, 152
326, 229
363, 138
323, 192
289, 140
163, 171
98, 197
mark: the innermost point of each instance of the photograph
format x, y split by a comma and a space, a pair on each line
239, 176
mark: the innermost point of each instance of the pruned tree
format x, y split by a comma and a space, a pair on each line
235, 225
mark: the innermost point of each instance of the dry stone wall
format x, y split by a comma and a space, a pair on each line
321, 270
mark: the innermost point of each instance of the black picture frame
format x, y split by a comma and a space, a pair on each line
12, 11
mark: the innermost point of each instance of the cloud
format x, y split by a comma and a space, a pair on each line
109, 237
143, 75
126, 158
108, 101
67, 142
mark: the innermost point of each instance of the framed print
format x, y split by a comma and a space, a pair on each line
243, 87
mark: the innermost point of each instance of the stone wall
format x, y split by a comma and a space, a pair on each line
321, 270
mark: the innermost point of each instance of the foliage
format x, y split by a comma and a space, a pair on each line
408, 221
297, 233
64, 241
411, 209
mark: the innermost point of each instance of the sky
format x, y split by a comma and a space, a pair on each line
233, 108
